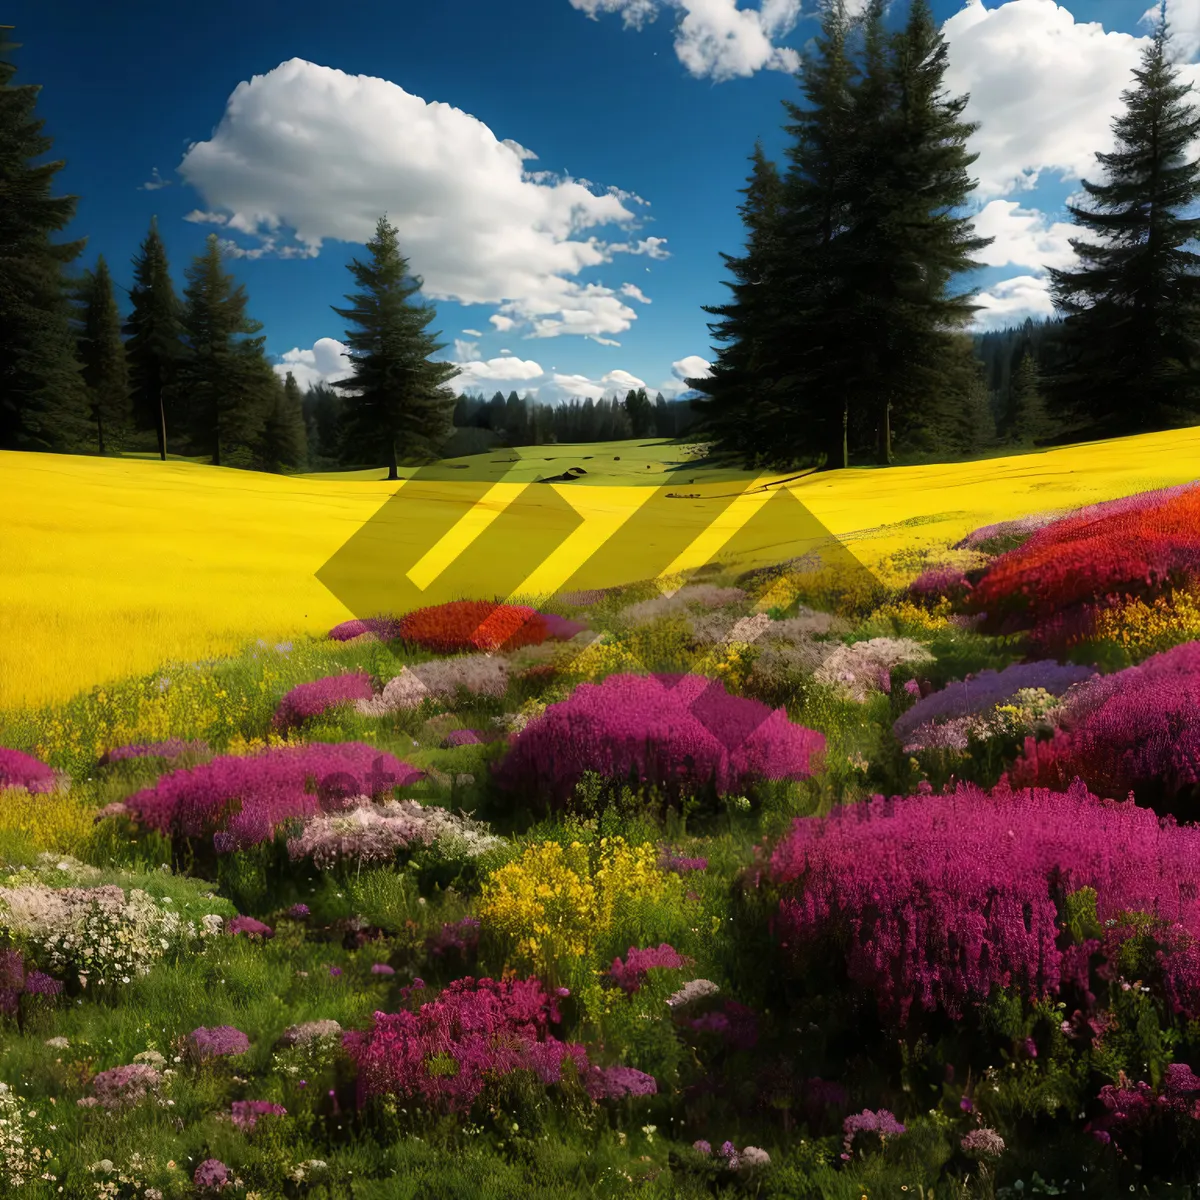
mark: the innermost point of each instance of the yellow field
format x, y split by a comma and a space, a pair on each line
112, 567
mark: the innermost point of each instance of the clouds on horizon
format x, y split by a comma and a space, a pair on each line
329, 360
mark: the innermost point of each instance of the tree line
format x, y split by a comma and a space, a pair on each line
843, 339
188, 372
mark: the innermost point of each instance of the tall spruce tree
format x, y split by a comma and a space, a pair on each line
911, 174
733, 411
155, 344
43, 398
814, 308
228, 389
102, 355
1030, 421
396, 400
1131, 346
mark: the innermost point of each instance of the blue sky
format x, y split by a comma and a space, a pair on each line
289, 128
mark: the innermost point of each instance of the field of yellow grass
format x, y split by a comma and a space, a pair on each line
114, 566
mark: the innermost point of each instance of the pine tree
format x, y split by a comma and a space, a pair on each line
1030, 419
102, 355
323, 409
155, 346
911, 173
396, 401
732, 412
1130, 334
43, 398
284, 441
223, 370
815, 309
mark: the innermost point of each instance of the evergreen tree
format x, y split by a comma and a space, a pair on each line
43, 398
102, 354
1132, 351
322, 417
396, 398
155, 345
284, 442
816, 312
1030, 419
732, 413
222, 372
910, 174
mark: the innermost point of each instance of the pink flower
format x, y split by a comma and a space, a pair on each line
20, 770
246, 1113
631, 974
312, 699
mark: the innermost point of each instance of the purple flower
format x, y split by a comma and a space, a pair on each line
335, 971
702, 1146
217, 1042
211, 1174
671, 861
461, 737
457, 937
246, 1113
38, 983
614, 1083
982, 692
966, 1105
881, 1122
1031, 1047
123, 1086
298, 912
244, 798
385, 628
676, 731
249, 926
20, 770
631, 974
313, 699
171, 748
382, 969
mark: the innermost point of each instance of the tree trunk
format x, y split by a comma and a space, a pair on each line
393, 473
885, 436
216, 462
845, 435
100, 433
162, 427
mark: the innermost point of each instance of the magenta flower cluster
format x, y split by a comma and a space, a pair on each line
248, 926
932, 585
445, 1052
246, 1113
681, 865
615, 1083
1133, 729
461, 737
673, 730
631, 974
242, 800
171, 748
20, 770
387, 629
1129, 1108
211, 1175
308, 700
217, 1041
979, 693
15, 981
881, 1122
454, 937
121, 1087
941, 898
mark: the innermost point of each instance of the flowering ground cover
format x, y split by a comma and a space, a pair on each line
758, 890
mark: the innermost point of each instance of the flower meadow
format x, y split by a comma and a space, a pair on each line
768, 886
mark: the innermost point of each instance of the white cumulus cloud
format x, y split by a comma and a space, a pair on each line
715, 39
1010, 301
323, 154
327, 360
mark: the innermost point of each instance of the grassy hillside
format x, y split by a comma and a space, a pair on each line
113, 566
